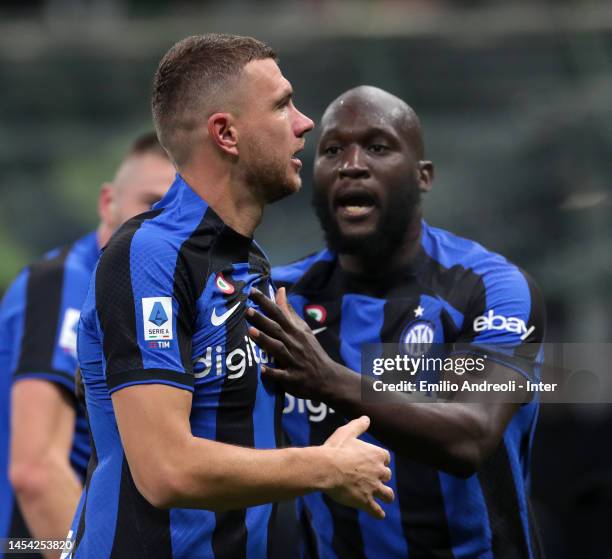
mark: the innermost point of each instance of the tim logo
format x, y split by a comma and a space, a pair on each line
157, 318
417, 337
159, 345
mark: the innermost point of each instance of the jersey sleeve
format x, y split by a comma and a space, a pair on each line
146, 308
506, 321
47, 301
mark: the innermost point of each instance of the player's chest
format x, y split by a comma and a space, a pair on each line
221, 348
345, 323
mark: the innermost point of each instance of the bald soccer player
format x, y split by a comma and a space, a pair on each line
48, 441
461, 470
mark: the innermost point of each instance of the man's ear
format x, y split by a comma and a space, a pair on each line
107, 204
223, 132
425, 175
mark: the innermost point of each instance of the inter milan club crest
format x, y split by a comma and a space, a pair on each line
316, 312
223, 285
417, 337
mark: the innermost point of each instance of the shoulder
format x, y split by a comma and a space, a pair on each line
491, 288
470, 262
13, 300
47, 276
291, 273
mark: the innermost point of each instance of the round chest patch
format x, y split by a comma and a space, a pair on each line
223, 285
316, 312
417, 337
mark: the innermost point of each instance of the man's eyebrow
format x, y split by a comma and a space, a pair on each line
287, 95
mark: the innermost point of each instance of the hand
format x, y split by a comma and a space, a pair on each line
304, 368
363, 469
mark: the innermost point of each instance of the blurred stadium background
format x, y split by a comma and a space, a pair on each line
516, 102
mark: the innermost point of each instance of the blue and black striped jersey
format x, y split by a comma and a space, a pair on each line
454, 291
166, 306
38, 338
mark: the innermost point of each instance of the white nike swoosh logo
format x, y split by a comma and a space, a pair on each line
319, 330
217, 320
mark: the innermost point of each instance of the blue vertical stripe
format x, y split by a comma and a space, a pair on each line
323, 524
388, 541
105, 495
467, 517
186, 527
362, 320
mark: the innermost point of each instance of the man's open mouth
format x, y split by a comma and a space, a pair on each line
295, 159
355, 203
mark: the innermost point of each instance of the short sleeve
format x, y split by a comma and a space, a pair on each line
146, 307
47, 300
506, 320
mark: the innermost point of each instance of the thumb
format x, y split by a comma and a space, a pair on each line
349, 431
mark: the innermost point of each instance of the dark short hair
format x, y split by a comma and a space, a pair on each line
191, 77
144, 144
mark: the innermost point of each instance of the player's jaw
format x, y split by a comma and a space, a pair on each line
361, 217
273, 174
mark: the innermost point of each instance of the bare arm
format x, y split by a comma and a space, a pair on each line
45, 484
172, 468
454, 437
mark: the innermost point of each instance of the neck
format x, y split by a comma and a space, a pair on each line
103, 234
381, 265
227, 195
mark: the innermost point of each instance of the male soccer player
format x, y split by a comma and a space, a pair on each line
184, 430
461, 469
49, 446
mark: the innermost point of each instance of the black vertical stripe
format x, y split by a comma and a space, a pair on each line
460, 286
272, 551
500, 494
115, 298
422, 512
190, 277
419, 493
309, 537
43, 305
528, 351
237, 399
141, 530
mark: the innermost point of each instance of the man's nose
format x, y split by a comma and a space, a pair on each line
303, 124
352, 164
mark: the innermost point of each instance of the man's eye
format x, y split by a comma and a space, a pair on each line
378, 148
332, 150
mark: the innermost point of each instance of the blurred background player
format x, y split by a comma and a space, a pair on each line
49, 446
460, 469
